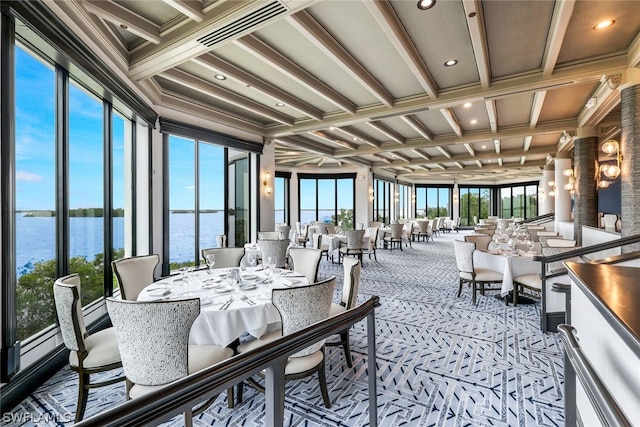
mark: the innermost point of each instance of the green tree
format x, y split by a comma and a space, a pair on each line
345, 217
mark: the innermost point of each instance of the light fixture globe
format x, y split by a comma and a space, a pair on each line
603, 184
567, 172
426, 4
610, 147
613, 171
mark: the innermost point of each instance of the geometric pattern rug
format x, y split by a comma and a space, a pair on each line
441, 361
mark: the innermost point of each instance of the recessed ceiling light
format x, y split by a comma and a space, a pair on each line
355, 138
467, 105
426, 4
220, 77
604, 24
279, 104
332, 128
451, 63
484, 146
474, 121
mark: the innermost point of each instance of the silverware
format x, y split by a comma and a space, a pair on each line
227, 304
247, 300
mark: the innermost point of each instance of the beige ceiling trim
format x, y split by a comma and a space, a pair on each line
577, 74
493, 115
191, 9
401, 157
355, 133
470, 149
417, 126
444, 151
452, 120
527, 143
382, 158
388, 20
123, 17
386, 130
562, 13
607, 99
215, 91
536, 108
496, 143
475, 23
500, 161
334, 139
634, 52
458, 164
512, 132
229, 70
421, 154
479, 163
306, 144
275, 59
316, 34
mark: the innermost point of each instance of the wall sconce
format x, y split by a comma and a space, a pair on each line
371, 194
552, 192
609, 171
455, 198
265, 183
397, 197
570, 186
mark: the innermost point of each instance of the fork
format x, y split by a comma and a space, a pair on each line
227, 303
247, 300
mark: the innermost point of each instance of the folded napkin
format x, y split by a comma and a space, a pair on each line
159, 292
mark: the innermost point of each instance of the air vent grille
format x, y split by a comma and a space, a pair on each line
242, 24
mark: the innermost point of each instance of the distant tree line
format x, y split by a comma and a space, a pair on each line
74, 213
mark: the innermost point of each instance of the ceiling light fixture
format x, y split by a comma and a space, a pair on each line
220, 77
473, 121
426, 4
611, 171
124, 26
467, 105
451, 63
604, 24
279, 104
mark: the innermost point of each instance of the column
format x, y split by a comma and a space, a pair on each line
267, 174
455, 210
545, 201
630, 168
585, 154
562, 205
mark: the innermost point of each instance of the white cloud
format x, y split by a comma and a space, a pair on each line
28, 176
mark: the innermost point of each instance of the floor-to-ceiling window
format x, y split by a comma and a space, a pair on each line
433, 201
519, 200
404, 201
383, 198
474, 203
328, 198
281, 197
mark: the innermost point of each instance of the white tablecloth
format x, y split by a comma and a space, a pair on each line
510, 265
221, 327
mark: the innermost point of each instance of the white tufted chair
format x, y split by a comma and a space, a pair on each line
306, 261
269, 235
353, 245
134, 274
284, 230
276, 249
395, 236
299, 308
481, 241
90, 354
350, 286
373, 242
153, 357
225, 257
477, 277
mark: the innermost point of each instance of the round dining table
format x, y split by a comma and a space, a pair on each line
228, 309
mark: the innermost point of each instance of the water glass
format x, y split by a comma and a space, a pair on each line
210, 259
252, 259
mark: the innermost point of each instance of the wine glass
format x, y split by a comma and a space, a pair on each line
210, 259
530, 244
269, 266
512, 244
252, 259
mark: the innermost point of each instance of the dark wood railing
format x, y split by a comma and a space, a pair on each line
188, 392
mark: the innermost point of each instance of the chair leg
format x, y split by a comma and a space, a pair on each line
188, 418
83, 394
322, 379
475, 290
460, 288
344, 338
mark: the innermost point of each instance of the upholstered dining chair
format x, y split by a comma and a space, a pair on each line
375, 224
350, 286
318, 242
353, 245
284, 230
306, 261
276, 249
299, 308
556, 242
373, 242
475, 276
270, 235
331, 228
424, 230
225, 257
395, 236
303, 236
134, 274
481, 241
153, 356
90, 354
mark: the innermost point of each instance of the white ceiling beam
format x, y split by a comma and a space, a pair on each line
229, 70
389, 22
401, 157
355, 133
536, 108
191, 9
421, 154
479, 163
470, 149
527, 142
484, 157
523, 159
452, 120
321, 161
417, 125
215, 91
493, 115
300, 143
319, 37
270, 56
607, 98
475, 23
125, 19
444, 151
383, 159
500, 161
562, 13
386, 130
458, 164
496, 144
334, 139
634, 52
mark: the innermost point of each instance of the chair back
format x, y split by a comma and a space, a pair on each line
284, 229
303, 306
354, 239
66, 294
396, 230
373, 237
560, 243
306, 261
423, 227
331, 228
481, 241
464, 255
269, 235
153, 355
610, 221
134, 274
351, 282
557, 265
375, 224
276, 249
225, 257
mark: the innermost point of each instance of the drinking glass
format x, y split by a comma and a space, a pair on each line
512, 244
210, 259
269, 266
530, 244
252, 259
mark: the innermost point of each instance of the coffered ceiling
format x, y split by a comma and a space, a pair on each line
365, 82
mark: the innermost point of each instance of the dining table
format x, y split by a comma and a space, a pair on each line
233, 301
510, 263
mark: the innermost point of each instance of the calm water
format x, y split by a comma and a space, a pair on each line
35, 237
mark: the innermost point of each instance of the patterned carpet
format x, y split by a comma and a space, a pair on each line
440, 360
